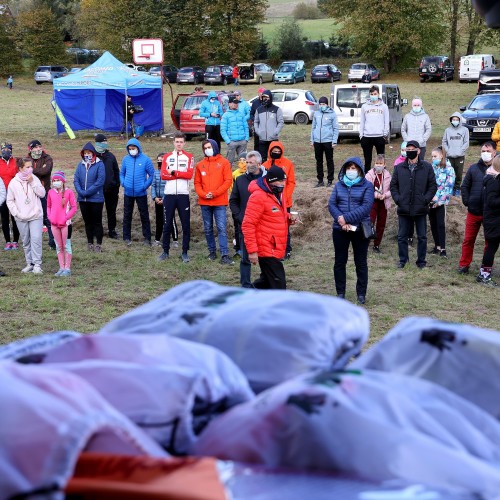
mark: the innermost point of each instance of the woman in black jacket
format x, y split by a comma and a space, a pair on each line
491, 221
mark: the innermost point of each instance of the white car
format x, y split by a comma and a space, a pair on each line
298, 105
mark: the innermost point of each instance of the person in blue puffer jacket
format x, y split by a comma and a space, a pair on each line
136, 175
211, 110
350, 205
234, 130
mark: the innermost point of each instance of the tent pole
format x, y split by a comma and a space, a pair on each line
126, 114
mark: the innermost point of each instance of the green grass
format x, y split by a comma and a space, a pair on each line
107, 285
313, 29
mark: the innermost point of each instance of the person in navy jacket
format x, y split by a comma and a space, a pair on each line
350, 204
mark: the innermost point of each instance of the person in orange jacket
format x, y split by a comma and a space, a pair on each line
495, 135
212, 180
276, 155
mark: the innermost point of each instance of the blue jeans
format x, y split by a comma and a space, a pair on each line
245, 266
209, 213
406, 223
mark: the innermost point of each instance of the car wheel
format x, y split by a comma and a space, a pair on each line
224, 81
188, 137
422, 80
261, 81
332, 79
294, 81
349, 81
445, 78
38, 83
301, 119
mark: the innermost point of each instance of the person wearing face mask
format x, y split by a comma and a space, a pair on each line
211, 110
417, 126
238, 202
380, 177
89, 183
472, 198
42, 168
445, 180
239, 170
324, 136
111, 182
350, 205
212, 180
136, 175
8, 170
413, 186
402, 156
23, 200
256, 103
268, 123
456, 142
373, 125
265, 228
277, 157
234, 130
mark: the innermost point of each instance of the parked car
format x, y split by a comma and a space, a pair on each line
190, 74
436, 68
169, 72
325, 73
471, 66
72, 71
489, 79
298, 105
481, 115
290, 72
135, 67
363, 72
255, 73
47, 74
185, 111
219, 73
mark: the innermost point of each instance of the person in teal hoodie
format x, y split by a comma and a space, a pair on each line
211, 110
136, 175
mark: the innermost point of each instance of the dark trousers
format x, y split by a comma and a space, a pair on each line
92, 217
237, 233
46, 221
405, 226
289, 237
5, 214
367, 144
473, 224
458, 166
179, 202
421, 156
213, 132
160, 222
490, 251
438, 227
111, 203
263, 149
327, 149
245, 266
126, 123
378, 216
272, 274
128, 210
341, 241
255, 142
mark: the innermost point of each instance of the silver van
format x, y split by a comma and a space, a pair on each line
347, 99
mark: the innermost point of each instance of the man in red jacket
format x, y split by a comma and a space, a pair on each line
265, 228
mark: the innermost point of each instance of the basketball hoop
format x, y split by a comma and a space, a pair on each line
147, 51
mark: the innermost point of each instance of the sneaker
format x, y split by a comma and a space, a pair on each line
410, 242
434, 251
113, 235
37, 269
156, 243
59, 272
329, 184
487, 281
175, 244
65, 273
442, 253
212, 256
341, 295
146, 243
401, 265
97, 249
238, 254
463, 270
288, 256
185, 258
128, 242
52, 245
163, 256
225, 259
376, 249
320, 184
44, 229
90, 247
8, 246
15, 246
361, 299
28, 268
2, 273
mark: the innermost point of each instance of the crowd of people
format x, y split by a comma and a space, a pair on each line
259, 192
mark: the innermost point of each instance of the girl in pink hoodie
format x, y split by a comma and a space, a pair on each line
61, 206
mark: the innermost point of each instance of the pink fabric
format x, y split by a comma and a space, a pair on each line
17, 194
386, 191
61, 236
399, 159
58, 214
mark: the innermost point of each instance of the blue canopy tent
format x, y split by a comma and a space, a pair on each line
95, 97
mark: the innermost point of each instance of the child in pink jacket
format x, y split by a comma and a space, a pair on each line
61, 206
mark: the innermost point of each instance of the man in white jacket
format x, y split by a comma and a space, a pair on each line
417, 126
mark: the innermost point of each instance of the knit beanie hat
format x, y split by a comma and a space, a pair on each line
59, 175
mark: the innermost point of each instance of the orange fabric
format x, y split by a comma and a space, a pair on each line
107, 477
265, 224
287, 166
495, 136
213, 175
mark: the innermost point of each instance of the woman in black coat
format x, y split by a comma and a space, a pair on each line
491, 221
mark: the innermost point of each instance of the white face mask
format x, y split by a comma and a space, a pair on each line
87, 157
57, 184
209, 152
379, 168
133, 152
486, 156
455, 123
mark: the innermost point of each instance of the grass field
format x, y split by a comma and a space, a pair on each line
106, 285
313, 29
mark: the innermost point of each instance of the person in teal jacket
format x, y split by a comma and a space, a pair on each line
211, 110
234, 130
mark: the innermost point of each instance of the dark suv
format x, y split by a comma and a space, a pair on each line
481, 115
219, 73
489, 79
436, 68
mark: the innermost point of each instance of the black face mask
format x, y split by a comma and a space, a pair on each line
6, 154
275, 155
411, 155
159, 164
266, 102
277, 189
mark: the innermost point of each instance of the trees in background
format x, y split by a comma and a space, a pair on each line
10, 62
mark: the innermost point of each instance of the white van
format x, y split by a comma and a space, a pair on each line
470, 66
347, 99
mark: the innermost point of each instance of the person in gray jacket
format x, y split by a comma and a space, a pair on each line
456, 143
268, 122
324, 136
417, 126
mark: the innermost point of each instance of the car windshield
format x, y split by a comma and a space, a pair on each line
349, 98
186, 70
287, 68
358, 66
322, 67
432, 59
310, 96
155, 68
213, 69
194, 102
486, 102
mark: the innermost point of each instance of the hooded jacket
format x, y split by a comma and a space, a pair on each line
286, 165
234, 126
371, 176
268, 120
182, 166
472, 187
325, 126
42, 168
207, 108
374, 119
17, 193
416, 127
265, 223
456, 139
244, 108
353, 203
58, 213
137, 172
8, 169
213, 174
240, 195
491, 213
89, 179
112, 180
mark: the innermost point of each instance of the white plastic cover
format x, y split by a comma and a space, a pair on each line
375, 425
463, 358
271, 335
47, 418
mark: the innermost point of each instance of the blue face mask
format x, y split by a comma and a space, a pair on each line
351, 174
416, 109
373, 98
323, 108
436, 162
